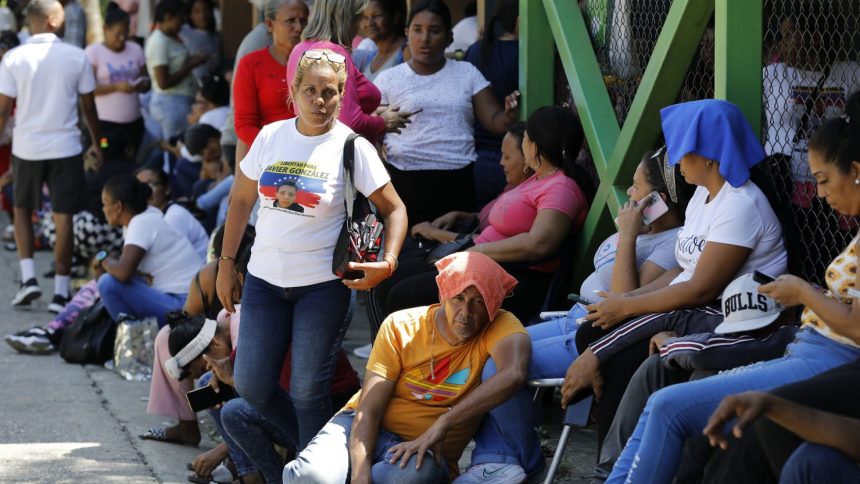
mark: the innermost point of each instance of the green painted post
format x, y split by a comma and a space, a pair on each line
537, 51
738, 56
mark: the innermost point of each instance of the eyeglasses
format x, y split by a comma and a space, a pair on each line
330, 56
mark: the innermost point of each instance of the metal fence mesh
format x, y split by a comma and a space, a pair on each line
810, 66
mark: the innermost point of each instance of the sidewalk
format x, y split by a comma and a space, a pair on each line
71, 423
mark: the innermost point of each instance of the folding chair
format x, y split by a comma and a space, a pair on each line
576, 415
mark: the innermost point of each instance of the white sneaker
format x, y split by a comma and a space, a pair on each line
492, 473
363, 351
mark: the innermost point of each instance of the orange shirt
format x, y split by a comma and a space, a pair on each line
402, 354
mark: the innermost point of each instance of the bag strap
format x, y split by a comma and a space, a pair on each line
349, 191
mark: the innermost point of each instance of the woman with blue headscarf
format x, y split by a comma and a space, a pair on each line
730, 229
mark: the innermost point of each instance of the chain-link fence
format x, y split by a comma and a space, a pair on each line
810, 66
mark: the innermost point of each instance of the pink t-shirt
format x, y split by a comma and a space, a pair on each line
515, 210
360, 97
112, 67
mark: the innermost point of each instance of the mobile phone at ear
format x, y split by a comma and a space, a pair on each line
762, 278
206, 397
655, 208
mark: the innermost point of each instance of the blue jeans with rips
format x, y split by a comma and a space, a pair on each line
312, 319
326, 459
507, 434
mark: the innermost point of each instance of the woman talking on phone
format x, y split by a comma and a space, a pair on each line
290, 294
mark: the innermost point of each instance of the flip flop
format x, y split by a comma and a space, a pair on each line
159, 434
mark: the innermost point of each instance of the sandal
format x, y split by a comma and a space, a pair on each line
159, 434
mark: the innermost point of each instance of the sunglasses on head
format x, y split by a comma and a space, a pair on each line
318, 54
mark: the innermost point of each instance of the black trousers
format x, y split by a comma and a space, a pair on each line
429, 194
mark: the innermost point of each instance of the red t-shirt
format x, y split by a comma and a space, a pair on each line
260, 94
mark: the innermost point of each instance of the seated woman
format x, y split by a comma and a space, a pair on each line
829, 336
445, 97
157, 263
633, 257
212, 102
526, 225
730, 229
177, 216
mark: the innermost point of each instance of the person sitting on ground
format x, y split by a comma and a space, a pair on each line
828, 337
807, 430
211, 103
444, 98
384, 22
507, 445
211, 192
527, 224
422, 398
176, 216
201, 142
167, 394
157, 263
729, 229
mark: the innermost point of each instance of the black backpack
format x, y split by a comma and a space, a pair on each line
90, 338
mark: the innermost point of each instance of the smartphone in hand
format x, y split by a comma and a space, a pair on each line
762, 278
206, 397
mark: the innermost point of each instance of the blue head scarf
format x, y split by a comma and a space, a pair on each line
716, 130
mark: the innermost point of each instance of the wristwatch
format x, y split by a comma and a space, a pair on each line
101, 256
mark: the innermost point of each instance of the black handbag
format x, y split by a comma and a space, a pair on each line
444, 250
360, 237
90, 338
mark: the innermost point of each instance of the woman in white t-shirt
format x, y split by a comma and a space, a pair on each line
730, 229
290, 295
120, 70
431, 159
153, 272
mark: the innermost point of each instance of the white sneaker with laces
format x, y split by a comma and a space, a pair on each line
493, 473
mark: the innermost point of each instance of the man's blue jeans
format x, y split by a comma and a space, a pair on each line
507, 434
312, 319
326, 459
675, 413
819, 464
249, 438
136, 298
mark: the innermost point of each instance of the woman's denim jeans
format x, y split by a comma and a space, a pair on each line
312, 319
170, 111
326, 459
137, 298
507, 434
676, 413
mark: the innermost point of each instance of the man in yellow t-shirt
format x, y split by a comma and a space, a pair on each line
423, 397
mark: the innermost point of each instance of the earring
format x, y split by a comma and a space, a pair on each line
710, 162
526, 169
857, 181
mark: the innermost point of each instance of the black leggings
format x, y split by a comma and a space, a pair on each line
429, 194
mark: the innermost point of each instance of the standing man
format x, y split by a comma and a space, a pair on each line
45, 77
75, 25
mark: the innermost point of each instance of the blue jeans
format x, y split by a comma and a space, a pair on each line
819, 464
507, 434
137, 298
314, 318
675, 413
326, 459
170, 111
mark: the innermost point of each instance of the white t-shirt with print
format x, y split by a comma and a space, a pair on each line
169, 259
786, 91
736, 216
294, 244
441, 137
